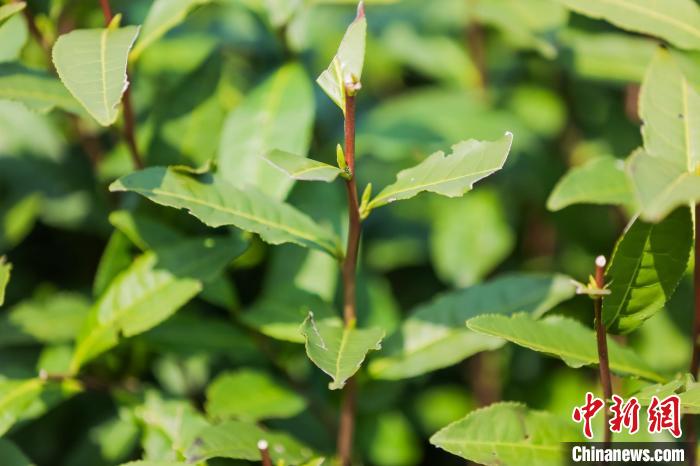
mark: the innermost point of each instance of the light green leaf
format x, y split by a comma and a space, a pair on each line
36, 89
216, 203
646, 267
13, 456
346, 67
601, 180
280, 312
338, 350
562, 338
690, 399
301, 168
665, 173
251, 395
677, 21
9, 10
277, 114
451, 175
151, 290
508, 433
92, 65
163, 16
16, 396
239, 440
609, 56
154, 463
434, 335
5, 269
13, 37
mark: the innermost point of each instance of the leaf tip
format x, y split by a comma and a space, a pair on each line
361, 9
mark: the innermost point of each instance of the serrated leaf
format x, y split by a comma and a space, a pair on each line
346, 66
151, 290
9, 10
677, 21
647, 264
162, 16
5, 270
16, 396
433, 336
337, 349
251, 395
277, 114
92, 65
302, 168
601, 180
562, 338
508, 433
451, 176
36, 89
216, 203
238, 440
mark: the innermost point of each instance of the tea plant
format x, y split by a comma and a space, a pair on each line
202, 268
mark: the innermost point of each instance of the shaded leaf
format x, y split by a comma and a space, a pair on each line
302, 168
36, 89
346, 67
601, 180
251, 395
16, 396
216, 203
451, 175
92, 65
238, 440
433, 336
508, 433
563, 338
647, 265
676, 21
12, 456
277, 114
5, 269
338, 350
162, 16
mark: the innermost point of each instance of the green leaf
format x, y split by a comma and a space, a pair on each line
301, 168
116, 257
92, 65
508, 433
677, 21
36, 89
239, 440
151, 290
346, 67
154, 463
9, 10
646, 267
690, 399
451, 175
601, 180
5, 269
562, 338
251, 395
16, 396
665, 172
13, 37
13, 456
162, 17
280, 312
338, 350
434, 336
216, 203
277, 114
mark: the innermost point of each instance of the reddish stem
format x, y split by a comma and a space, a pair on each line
264, 453
602, 339
106, 11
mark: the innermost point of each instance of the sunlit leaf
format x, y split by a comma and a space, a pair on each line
92, 65
302, 168
16, 396
5, 269
452, 175
562, 338
601, 180
433, 336
508, 433
251, 395
9, 10
37, 90
216, 203
646, 267
337, 349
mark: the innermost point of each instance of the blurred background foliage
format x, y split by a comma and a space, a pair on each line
436, 72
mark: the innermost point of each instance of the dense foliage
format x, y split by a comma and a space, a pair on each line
210, 236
